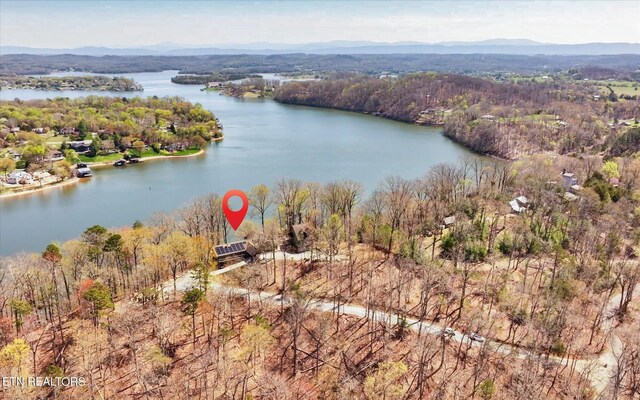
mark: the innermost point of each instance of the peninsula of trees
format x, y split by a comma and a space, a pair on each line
51, 135
95, 83
552, 287
507, 119
190, 79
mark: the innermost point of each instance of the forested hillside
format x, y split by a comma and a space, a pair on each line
551, 288
506, 119
24, 64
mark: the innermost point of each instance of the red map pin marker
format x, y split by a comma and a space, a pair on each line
235, 218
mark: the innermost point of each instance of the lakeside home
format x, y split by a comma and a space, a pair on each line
19, 177
80, 147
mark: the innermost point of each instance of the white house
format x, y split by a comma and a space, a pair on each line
20, 176
517, 208
522, 200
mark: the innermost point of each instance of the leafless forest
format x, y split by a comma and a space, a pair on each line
552, 288
505, 119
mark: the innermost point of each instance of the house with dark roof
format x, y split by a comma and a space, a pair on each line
68, 131
55, 155
80, 147
231, 253
300, 237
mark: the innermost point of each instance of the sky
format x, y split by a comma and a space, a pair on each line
76, 23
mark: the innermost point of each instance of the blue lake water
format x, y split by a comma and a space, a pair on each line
264, 141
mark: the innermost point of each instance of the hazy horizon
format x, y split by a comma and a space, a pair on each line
72, 24
334, 43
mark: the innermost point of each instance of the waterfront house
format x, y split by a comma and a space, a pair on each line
55, 155
177, 146
108, 147
19, 176
80, 147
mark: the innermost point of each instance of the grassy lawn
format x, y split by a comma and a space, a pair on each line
58, 139
619, 87
186, 152
108, 157
626, 90
151, 153
146, 153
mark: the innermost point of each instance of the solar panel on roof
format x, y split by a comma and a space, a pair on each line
230, 248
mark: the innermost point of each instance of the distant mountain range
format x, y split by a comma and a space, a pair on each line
492, 46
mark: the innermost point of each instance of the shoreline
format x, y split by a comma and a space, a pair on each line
497, 157
49, 186
76, 180
143, 159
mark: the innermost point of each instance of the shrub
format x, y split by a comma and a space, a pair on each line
54, 370
447, 244
475, 252
558, 348
505, 245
